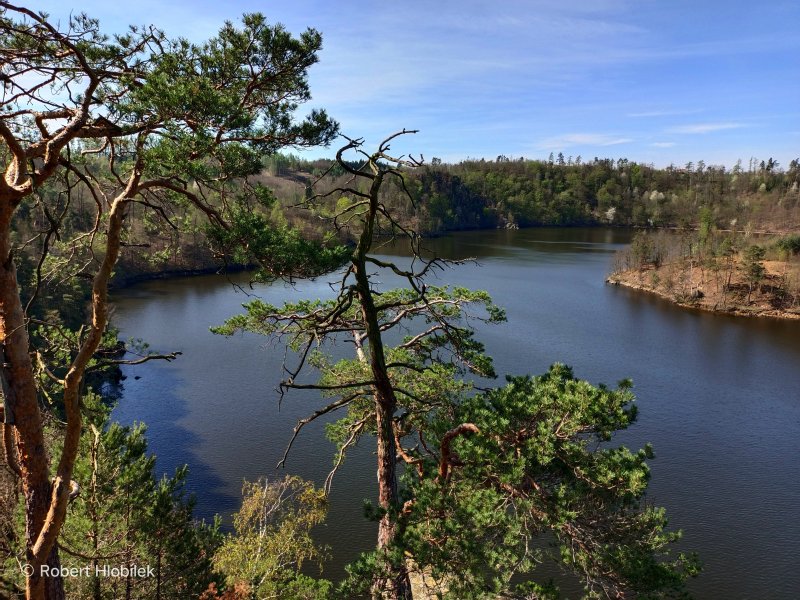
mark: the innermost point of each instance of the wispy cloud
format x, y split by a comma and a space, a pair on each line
662, 113
704, 127
582, 139
529, 77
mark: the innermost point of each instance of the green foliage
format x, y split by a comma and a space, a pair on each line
752, 265
124, 515
491, 477
539, 469
425, 369
108, 129
706, 226
50, 290
272, 540
279, 250
307, 316
477, 194
180, 548
197, 121
789, 244
202, 89
644, 251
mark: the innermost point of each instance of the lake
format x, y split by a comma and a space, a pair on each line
718, 396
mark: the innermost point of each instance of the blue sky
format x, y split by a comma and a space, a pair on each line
656, 81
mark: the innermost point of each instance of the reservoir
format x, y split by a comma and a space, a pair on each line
718, 396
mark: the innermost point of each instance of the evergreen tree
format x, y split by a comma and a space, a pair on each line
125, 516
134, 119
753, 267
537, 465
487, 474
371, 387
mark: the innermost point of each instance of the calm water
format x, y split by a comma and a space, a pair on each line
719, 397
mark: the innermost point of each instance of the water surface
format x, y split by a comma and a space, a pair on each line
719, 396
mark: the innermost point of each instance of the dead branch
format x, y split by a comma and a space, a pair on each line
354, 433
333, 406
10, 452
417, 462
138, 361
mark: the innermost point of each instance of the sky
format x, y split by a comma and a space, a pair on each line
655, 81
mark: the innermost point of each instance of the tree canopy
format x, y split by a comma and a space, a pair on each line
489, 475
136, 119
143, 122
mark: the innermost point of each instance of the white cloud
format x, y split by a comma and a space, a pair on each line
661, 113
582, 139
704, 127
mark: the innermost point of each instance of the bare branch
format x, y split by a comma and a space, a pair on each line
333, 406
354, 433
107, 363
417, 462
338, 386
8, 443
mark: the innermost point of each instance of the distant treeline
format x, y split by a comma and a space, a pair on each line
472, 194
476, 194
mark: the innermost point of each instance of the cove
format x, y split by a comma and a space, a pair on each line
718, 396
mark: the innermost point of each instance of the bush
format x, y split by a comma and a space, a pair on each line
789, 244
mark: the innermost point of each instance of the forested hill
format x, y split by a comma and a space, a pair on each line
477, 194
473, 194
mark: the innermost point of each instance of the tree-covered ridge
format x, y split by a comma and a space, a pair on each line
475, 194
266, 211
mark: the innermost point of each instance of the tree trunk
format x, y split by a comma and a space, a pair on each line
46, 501
387, 475
395, 585
17, 371
54, 586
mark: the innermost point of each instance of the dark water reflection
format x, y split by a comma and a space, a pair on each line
719, 396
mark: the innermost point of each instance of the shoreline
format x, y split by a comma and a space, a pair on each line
130, 274
623, 279
632, 279
129, 280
